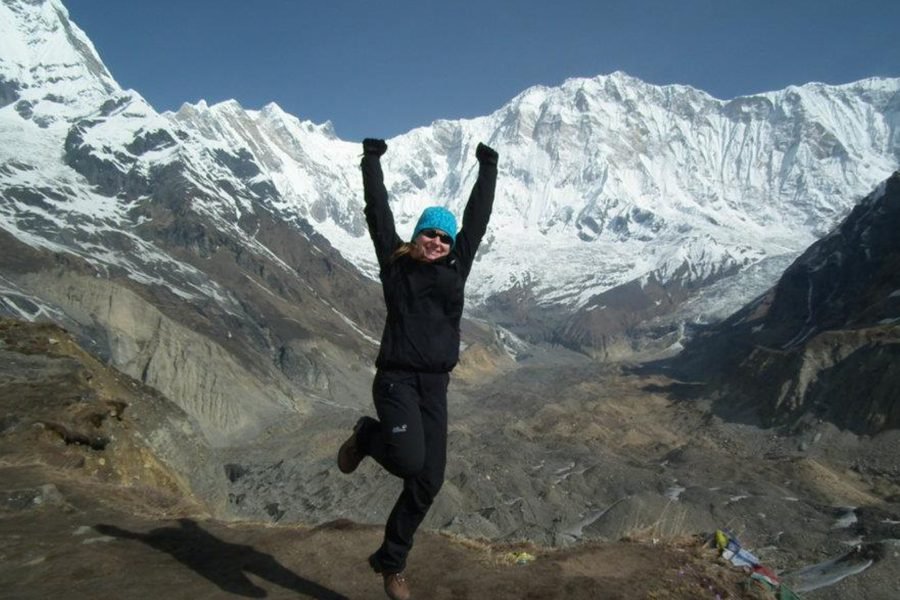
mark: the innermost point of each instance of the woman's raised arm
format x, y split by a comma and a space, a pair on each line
479, 207
378, 213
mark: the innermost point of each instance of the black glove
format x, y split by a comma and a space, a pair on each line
486, 154
374, 146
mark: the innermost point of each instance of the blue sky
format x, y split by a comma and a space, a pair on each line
381, 68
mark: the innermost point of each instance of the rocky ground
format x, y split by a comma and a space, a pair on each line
65, 536
107, 491
581, 452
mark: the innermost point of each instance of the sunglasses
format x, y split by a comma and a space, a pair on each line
435, 233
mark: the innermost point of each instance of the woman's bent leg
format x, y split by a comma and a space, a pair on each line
420, 488
397, 440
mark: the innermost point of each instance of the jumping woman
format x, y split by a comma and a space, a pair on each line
423, 281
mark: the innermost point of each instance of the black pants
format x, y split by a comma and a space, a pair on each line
410, 441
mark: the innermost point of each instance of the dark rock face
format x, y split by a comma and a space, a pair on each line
146, 141
848, 279
9, 91
824, 342
101, 172
241, 164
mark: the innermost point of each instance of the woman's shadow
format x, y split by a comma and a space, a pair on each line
222, 563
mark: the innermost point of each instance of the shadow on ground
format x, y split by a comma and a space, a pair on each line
223, 563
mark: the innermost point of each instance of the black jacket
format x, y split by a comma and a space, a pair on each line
425, 299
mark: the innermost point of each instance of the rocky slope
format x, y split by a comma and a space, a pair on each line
90, 540
63, 409
824, 342
105, 483
235, 365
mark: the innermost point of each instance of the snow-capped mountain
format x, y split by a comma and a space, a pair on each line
604, 182
161, 248
50, 67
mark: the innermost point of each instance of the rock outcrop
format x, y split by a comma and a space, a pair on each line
64, 410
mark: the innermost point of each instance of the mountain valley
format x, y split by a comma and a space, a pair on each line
684, 318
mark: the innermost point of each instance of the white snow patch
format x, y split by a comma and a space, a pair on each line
847, 518
674, 493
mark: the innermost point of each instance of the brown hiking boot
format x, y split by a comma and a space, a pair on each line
395, 586
350, 454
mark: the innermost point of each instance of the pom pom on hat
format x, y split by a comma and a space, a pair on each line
437, 217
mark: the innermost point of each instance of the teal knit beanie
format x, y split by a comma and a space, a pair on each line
437, 217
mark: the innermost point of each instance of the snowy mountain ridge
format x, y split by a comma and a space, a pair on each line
646, 179
603, 181
48, 61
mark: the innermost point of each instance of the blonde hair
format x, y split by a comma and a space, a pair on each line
403, 250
